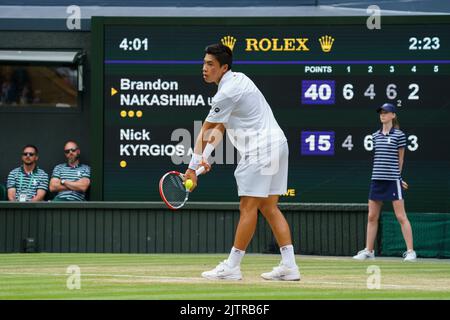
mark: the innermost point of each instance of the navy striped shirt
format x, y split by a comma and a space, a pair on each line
65, 172
386, 161
25, 183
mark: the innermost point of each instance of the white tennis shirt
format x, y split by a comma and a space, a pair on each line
246, 115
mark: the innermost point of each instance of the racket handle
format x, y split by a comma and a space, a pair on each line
199, 171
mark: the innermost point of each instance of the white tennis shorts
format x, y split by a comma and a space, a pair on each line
263, 175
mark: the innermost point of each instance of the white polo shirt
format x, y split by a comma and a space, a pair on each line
246, 115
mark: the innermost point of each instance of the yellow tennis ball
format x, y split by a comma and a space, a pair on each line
188, 184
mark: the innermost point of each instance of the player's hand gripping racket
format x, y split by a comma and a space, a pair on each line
172, 189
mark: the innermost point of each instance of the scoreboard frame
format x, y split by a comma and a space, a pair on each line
98, 56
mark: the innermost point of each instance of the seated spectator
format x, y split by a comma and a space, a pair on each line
27, 182
71, 180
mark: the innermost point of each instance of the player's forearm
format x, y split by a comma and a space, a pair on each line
208, 135
199, 144
212, 133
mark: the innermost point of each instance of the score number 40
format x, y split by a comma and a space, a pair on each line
323, 91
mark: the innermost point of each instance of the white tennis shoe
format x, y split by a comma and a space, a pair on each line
282, 273
223, 272
365, 254
410, 256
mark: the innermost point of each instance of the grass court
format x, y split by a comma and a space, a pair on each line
177, 277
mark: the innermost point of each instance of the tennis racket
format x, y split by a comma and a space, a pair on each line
172, 189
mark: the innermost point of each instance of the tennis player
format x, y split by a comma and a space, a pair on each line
386, 185
261, 175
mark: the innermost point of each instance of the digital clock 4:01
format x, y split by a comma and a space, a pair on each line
135, 44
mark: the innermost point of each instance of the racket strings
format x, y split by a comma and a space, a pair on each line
174, 190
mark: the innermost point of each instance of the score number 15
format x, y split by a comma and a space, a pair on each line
317, 143
321, 143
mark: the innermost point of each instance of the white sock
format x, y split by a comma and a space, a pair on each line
287, 256
235, 257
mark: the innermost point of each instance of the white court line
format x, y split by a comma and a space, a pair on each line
100, 275
183, 279
383, 286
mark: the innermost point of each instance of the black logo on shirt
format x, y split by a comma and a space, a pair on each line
216, 110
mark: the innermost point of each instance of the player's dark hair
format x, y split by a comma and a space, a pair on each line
222, 53
31, 146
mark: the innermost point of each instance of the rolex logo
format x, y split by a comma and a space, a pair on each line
229, 41
326, 42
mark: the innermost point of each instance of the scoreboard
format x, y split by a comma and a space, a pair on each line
323, 77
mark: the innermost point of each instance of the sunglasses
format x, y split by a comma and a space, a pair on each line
31, 154
67, 151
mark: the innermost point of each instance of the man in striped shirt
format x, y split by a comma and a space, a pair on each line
27, 182
71, 180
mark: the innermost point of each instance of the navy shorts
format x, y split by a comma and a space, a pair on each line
385, 190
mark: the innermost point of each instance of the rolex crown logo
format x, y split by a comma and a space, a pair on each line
326, 42
229, 41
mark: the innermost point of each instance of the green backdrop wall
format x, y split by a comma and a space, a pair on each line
151, 228
431, 233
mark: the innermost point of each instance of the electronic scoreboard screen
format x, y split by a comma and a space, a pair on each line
323, 77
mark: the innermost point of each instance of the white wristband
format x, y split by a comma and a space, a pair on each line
195, 161
208, 150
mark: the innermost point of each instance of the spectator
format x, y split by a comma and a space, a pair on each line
8, 90
71, 180
27, 182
